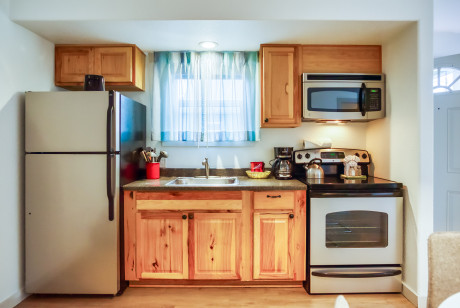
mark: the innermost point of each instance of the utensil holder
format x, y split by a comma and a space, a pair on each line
153, 170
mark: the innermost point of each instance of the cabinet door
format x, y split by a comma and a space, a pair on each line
215, 246
280, 101
114, 63
161, 245
273, 246
72, 64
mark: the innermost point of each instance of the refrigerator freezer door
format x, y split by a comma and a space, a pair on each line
70, 121
71, 245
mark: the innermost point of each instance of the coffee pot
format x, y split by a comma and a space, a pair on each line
314, 169
282, 168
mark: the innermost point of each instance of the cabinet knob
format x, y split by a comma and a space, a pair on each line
291, 216
184, 216
266, 120
190, 216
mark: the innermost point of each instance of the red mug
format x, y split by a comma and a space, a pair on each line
153, 170
257, 166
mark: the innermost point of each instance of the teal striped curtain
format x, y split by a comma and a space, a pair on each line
206, 96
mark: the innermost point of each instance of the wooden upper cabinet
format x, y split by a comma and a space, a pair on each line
273, 246
280, 86
342, 59
161, 249
123, 66
74, 63
114, 63
215, 246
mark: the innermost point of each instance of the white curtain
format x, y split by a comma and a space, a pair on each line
206, 96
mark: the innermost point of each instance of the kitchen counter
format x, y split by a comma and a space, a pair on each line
245, 183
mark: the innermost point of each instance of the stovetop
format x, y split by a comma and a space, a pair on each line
333, 182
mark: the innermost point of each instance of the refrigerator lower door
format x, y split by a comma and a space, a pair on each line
71, 245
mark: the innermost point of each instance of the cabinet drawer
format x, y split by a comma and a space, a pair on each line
274, 200
190, 201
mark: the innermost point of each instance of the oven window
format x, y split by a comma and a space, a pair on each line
333, 99
356, 229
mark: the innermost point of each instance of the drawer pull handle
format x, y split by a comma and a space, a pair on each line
268, 196
184, 216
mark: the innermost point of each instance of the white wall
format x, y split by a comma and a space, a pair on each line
351, 135
26, 63
402, 145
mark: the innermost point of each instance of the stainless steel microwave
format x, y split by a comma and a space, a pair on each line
349, 97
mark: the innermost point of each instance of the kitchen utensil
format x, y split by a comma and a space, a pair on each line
314, 170
162, 154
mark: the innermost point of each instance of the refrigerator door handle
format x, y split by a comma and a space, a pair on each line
110, 185
109, 130
110, 156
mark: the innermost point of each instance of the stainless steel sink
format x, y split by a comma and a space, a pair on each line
203, 181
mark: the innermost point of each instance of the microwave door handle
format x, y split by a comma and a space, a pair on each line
362, 99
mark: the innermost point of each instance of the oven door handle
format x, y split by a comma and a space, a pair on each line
332, 274
323, 194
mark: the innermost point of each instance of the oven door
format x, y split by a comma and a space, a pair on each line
343, 101
355, 230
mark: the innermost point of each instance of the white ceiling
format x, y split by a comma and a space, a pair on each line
229, 34
84, 24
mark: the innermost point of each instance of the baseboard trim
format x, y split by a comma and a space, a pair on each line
410, 294
14, 299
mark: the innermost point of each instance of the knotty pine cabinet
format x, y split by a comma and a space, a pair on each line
206, 236
123, 66
279, 235
280, 86
162, 249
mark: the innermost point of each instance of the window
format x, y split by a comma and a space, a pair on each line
446, 79
205, 96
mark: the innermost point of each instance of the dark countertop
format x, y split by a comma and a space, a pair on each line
245, 183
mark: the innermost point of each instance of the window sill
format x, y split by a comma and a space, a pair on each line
208, 144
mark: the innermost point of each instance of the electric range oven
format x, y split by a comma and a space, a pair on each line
355, 238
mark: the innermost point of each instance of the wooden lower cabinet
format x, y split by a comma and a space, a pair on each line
215, 246
161, 250
273, 246
175, 236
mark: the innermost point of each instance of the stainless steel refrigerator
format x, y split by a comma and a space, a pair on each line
81, 147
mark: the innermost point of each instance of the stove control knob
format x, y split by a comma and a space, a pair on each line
307, 156
364, 156
357, 154
299, 156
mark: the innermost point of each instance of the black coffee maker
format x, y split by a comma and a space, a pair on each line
282, 168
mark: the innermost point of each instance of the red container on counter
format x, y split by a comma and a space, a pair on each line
257, 166
153, 170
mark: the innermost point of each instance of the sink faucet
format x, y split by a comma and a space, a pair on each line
206, 166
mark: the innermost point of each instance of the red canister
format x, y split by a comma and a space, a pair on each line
257, 166
153, 170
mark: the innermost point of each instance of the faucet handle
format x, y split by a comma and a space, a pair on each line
205, 161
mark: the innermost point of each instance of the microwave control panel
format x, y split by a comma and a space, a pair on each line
373, 99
